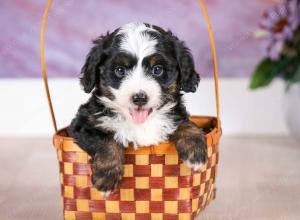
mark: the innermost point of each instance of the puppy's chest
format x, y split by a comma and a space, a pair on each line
154, 131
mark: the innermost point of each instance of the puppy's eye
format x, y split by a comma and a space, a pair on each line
157, 70
120, 71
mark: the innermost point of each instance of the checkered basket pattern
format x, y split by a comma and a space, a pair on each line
156, 184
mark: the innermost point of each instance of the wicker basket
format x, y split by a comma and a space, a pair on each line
156, 184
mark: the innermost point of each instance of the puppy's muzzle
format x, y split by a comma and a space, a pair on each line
140, 99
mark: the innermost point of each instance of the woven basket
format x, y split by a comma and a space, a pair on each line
156, 184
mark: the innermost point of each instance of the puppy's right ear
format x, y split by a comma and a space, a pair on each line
90, 72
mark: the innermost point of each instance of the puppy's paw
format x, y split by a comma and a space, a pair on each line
107, 173
107, 181
106, 184
194, 166
105, 194
196, 160
194, 153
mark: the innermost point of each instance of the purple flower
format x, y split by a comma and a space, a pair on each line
279, 25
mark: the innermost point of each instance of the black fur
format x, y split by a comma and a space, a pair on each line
98, 74
170, 45
103, 48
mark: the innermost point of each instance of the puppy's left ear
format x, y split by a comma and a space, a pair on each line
188, 77
90, 72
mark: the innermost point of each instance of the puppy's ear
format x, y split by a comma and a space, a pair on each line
90, 72
188, 77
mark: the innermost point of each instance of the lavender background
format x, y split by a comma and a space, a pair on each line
72, 24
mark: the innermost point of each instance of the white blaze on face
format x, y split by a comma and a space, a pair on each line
135, 40
141, 45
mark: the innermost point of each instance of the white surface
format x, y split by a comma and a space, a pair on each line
292, 110
24, 110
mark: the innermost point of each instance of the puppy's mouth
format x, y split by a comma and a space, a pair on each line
140, 115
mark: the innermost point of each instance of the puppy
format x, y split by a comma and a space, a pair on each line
136, 76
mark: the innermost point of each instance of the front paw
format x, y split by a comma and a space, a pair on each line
194, 166
106, 175
107, 182
194, 154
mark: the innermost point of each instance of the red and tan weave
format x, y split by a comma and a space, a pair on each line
156, 184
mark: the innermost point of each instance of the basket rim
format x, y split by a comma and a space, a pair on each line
166, 147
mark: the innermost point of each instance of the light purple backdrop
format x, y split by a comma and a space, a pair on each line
72, 25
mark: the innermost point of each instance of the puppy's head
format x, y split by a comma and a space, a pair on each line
138, 70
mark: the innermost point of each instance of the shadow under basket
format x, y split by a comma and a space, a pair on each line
156, 184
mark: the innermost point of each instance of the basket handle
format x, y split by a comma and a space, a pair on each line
44, 72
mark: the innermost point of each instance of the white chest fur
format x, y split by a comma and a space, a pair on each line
153, 131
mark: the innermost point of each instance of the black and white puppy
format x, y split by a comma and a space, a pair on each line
136, 75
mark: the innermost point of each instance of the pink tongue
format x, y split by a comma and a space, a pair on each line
139, 115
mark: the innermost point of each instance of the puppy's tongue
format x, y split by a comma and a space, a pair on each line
139, 115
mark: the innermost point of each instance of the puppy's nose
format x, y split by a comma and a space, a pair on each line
140, 98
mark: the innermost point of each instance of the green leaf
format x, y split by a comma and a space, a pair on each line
266, 71
263, 74
294, 79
